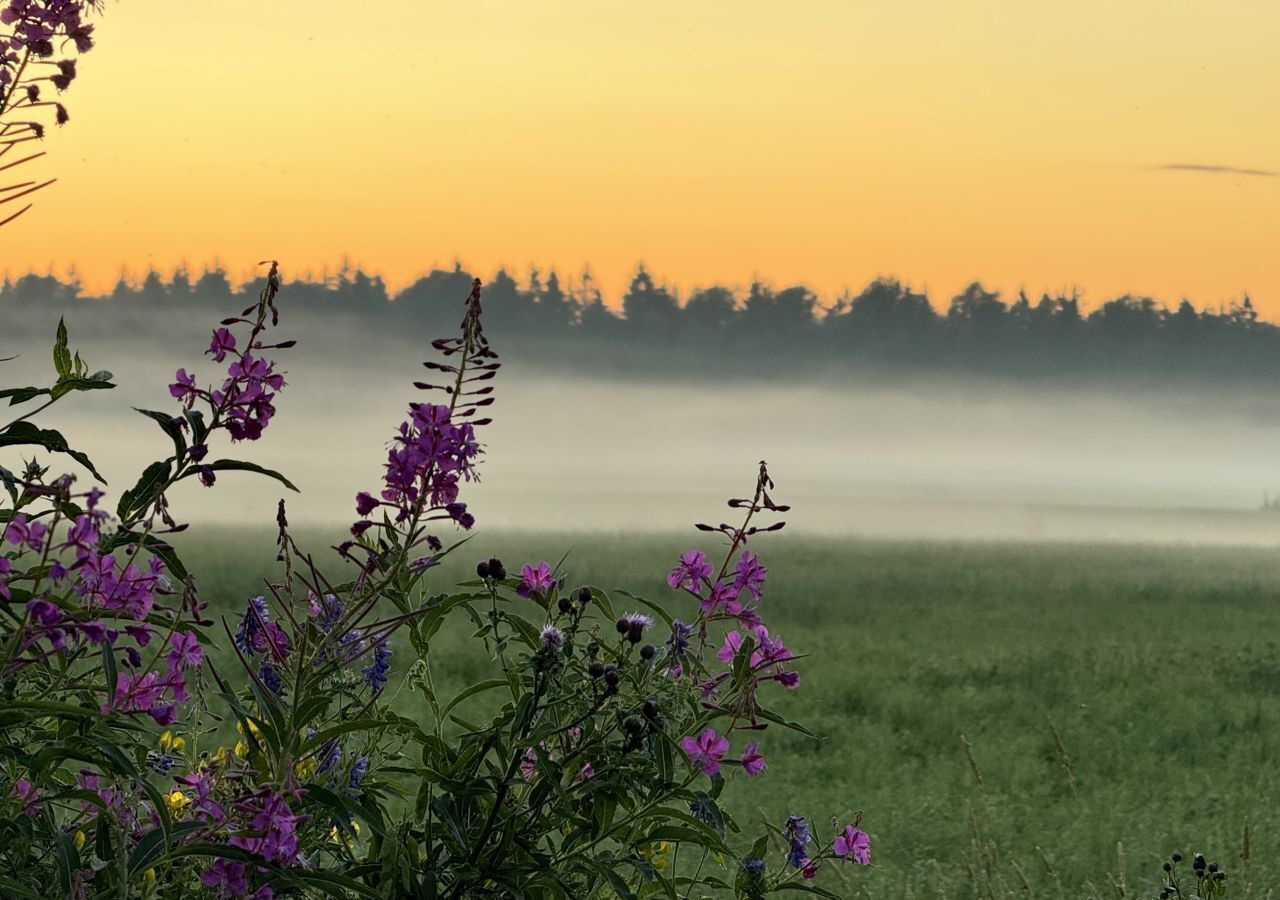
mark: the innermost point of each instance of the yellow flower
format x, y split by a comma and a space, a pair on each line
149, 877
220, 756
346, 840
305, 768
242, 749
177, 802
79, 839
253, 729
170, 743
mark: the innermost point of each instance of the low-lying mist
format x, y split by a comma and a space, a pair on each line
953, 459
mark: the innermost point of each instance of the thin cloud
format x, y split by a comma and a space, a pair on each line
1217, 170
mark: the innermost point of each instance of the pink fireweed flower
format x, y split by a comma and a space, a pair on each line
186, 652
690, 572
748, 574
184, 388
705, 751
23, 531
732, 644
28, 795
535, 580
752, 760
855, 843
585, 773
722, 596
223, 342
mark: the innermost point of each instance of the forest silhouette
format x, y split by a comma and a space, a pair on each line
885, 330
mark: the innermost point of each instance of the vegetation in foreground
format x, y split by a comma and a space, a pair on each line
1046, 720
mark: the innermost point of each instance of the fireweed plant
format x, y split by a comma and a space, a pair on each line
617, 730
38, 44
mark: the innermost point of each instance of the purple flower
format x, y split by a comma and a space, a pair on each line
184, 388
375, 674
552, 639
185, 652
705, 751
274, 829
749, 574
6, 567
270, 678
690, 572
365, 503
228, 877
753, 865
330, 756
223, 342
797, 834
28, 795
44, 612
752, 760
535, 580
633, 625
358, 770
22, 530
855, 843
678, 643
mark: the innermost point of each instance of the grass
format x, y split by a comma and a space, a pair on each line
1014, 720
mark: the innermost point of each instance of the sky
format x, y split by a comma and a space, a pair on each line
1099, 146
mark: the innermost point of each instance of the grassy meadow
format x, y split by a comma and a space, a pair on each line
1013, 719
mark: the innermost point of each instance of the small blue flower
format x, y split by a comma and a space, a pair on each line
375, 674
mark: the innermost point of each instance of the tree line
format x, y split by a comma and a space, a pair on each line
887, 328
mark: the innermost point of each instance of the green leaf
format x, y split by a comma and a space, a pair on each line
109, 669
235, 465
169, 425
150, 483
155, 546
19, 434
62, 356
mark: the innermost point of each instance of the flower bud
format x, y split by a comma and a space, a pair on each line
584, 595
1177, 857
647, 651
482, 568
622, 626
650, 709
633, 725
595, 670
564, 605
496, 570
611, 677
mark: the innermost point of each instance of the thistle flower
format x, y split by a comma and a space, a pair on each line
552, 639
633, 625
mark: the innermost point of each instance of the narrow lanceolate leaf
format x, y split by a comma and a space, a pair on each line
20, 434
235, 465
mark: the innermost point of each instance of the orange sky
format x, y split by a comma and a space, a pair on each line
824, 141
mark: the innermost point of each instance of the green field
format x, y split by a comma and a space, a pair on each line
1157, 667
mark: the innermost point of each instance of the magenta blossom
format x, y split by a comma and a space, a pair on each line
186, 652
705, 751
690, 572
223, 341
748, 574
28, 795
535, 580
753, 760
22, 530
855, 843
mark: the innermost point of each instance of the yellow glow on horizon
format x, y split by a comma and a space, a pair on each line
824, 142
